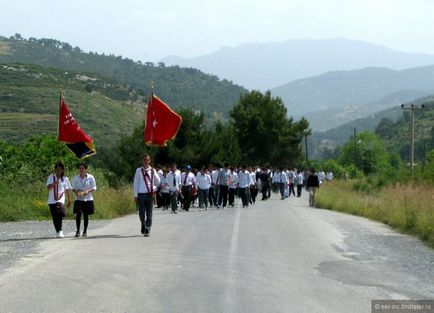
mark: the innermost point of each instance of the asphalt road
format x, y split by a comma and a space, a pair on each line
275, 256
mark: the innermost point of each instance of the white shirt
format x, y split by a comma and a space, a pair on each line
82, 184
252, 179
234, 180
140, 186
321, 176
62, 186
203, 181
165, 184
243, 179
299, 179
281, 178
214, 175
189, 181
174, 185
224, 177
161, 175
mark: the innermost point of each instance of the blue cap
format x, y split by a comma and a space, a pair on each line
188, 168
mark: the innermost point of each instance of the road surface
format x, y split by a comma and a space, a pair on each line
275, 256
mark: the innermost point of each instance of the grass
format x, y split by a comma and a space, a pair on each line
408, 208
29, 202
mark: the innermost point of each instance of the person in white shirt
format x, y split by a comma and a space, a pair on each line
158, 194
174, 181
223, 180
281, 180
203, 180
244, 185
188, 181
83, 185
233, 187
321, 176
299, 179
146, 181
59, 188
164, 189
253, 186
212, 195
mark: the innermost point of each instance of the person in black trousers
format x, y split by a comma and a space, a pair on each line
265, 183
312, 185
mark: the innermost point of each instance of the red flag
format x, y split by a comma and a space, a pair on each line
162, 124
70, 133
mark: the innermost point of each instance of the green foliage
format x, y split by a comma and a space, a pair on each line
179, 87
396, 135
265, 133
367, 153
29, 102
428, 173
33, 160
407, 207
194, 145
24, 169
331, 166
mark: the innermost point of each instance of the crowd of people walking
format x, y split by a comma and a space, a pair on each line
174, 189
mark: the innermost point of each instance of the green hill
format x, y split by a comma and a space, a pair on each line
29, 103
334, 98
392, 124
179, 87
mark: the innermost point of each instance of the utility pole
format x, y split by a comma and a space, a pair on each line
412, 108
355, 149
306, 133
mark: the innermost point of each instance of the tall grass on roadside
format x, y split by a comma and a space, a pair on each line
29, 201
406, 207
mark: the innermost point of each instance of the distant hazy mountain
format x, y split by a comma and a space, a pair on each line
267, 65
334, 98
321, 143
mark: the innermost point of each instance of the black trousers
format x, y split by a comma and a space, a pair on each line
146, 205
57, 218
166, 200
212, 195
186, 194
243, 195
232, 192
253, 193
223, 195
291, 189
265, 190
282, 190
174, 200
160, 200
299, 188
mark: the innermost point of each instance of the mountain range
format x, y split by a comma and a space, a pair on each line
335, 98
398, 129
267, 65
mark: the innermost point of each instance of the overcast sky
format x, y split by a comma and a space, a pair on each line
150, 30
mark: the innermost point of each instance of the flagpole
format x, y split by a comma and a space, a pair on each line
58, 126
152, 110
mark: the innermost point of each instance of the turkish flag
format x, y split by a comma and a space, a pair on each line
162, 124
71, 133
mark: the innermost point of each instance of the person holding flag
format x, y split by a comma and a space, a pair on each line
59, 188
146, 181
162, 124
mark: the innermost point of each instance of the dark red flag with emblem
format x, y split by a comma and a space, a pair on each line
70, 132
162, 124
